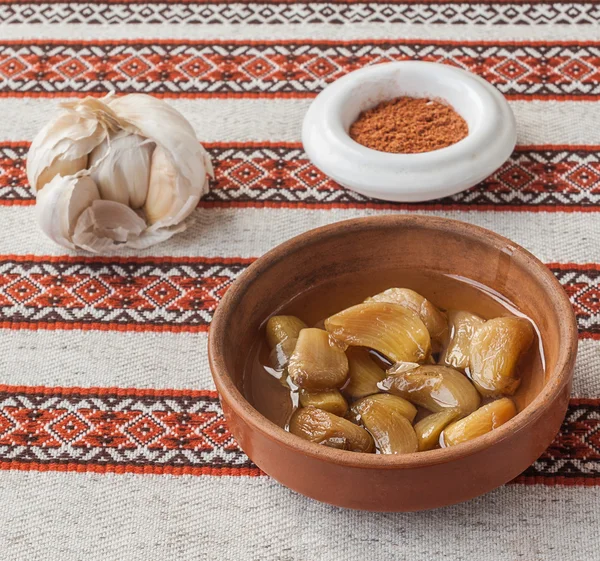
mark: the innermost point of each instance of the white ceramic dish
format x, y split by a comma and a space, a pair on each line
409, 177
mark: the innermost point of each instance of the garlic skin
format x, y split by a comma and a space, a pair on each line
60, 205
61, 148
120, 166
162, 174
116, 172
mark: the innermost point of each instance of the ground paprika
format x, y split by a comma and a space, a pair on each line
408, 125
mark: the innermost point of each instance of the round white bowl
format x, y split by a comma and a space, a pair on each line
409, 177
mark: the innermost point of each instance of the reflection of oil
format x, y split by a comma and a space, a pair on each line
503, 266
269, 396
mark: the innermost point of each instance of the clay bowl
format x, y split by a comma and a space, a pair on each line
413, 481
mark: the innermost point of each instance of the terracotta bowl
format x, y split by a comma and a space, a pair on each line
413, 481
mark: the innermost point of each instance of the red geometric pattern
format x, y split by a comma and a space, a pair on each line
116, 430
152, 431
583, 288
13, 175
282, 13
575, 452
267, 174
285, 68
152, 294
537, 178
157, 294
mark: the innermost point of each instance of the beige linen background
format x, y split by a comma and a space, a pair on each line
97, 461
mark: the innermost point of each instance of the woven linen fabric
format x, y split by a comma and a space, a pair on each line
113, 445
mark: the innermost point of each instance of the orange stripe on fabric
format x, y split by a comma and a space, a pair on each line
116, 260
269, 95
370, 205
126, 468
298, 145
104, 391
146, 328
558, 481
98, 326
398, 206
165, 393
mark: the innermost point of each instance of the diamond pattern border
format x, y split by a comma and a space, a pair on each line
261, 174
281, 13
189, 432
286, 68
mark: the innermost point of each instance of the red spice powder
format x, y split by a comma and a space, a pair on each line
408, 125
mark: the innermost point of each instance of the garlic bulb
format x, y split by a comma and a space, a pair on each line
116, 172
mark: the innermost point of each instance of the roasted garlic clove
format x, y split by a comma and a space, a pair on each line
363, 375
382, 402
280, 328
434, 319
429, 428
331, 400
388, 419
281, 353
485, 419
463, 326
393, 330
317, 363
401, 367
496, 348
437, 388
330, 430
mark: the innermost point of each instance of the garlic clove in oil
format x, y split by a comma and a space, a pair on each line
434, 319
393, 330
281, 353
327, 429
480, 422
280, 328
330, 400
383, 403
364, 374
388, 419
429, 428
496, 348
463, 326
317, 362
436, 388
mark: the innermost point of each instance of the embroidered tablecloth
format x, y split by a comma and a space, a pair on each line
112, 441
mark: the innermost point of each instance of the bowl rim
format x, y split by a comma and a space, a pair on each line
331, 103
556, 380
437, 173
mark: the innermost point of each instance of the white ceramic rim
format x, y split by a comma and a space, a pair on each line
410, 177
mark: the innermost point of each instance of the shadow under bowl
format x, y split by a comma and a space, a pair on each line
408, 482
